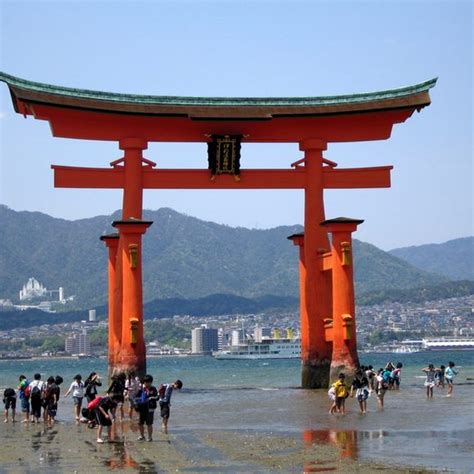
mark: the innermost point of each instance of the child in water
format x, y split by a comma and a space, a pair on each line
51, 399
104, 415
439, 377
430, 373
165, 392
147, 398
361, 386
117, 391
91, 383
341, 392
9, 400
396, 376
24, 397
381, 387
449, 374
77, 389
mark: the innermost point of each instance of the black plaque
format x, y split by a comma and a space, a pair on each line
224, 154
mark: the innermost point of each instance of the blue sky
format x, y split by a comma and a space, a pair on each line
264, 48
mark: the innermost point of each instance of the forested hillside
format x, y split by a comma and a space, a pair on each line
184, 257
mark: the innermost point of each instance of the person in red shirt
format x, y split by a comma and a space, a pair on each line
104, 415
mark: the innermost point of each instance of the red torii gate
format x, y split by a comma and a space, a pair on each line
326, 280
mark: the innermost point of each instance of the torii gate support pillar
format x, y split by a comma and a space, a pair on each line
131, 356
315, 286
115, 324
344, 344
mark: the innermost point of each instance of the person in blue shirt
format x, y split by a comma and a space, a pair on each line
449, 374
24, 397
147, 397
165, 391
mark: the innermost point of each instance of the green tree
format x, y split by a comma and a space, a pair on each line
53, 344
99, 337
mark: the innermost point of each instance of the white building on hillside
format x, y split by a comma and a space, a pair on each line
32, 289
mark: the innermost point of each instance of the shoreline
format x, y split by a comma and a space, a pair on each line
434, 352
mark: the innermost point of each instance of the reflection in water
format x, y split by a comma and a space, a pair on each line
345, 440
120, 457
40, 442
119, 454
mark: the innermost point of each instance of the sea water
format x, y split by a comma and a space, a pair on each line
264, 395
205, 372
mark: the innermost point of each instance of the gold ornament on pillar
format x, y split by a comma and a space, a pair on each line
133, 330
346, 253
347, 322
133, 252
328, 329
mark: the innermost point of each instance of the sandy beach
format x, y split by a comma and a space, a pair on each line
68, 447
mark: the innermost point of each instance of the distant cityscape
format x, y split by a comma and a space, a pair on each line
446, 317
386, 327
205, 340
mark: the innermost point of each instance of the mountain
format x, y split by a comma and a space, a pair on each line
377, 270
453, 259
184, 257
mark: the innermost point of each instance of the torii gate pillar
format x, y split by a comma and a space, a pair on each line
131, 354
342, 329
329, 336
315, 285
115, 328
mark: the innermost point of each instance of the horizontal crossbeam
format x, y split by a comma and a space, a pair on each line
107, 178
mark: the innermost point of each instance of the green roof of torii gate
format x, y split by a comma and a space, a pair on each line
27, 91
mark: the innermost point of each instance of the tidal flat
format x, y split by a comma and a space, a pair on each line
250, 416
68, 447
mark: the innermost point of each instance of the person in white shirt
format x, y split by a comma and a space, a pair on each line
36, 397
132, 385
77, 389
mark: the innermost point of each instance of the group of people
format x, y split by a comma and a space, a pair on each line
39, 401
367, 381
439, 377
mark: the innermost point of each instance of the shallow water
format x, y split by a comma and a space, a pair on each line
207, 372
263, 396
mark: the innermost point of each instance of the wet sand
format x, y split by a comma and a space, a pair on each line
67, 447
259, 431
241, 417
